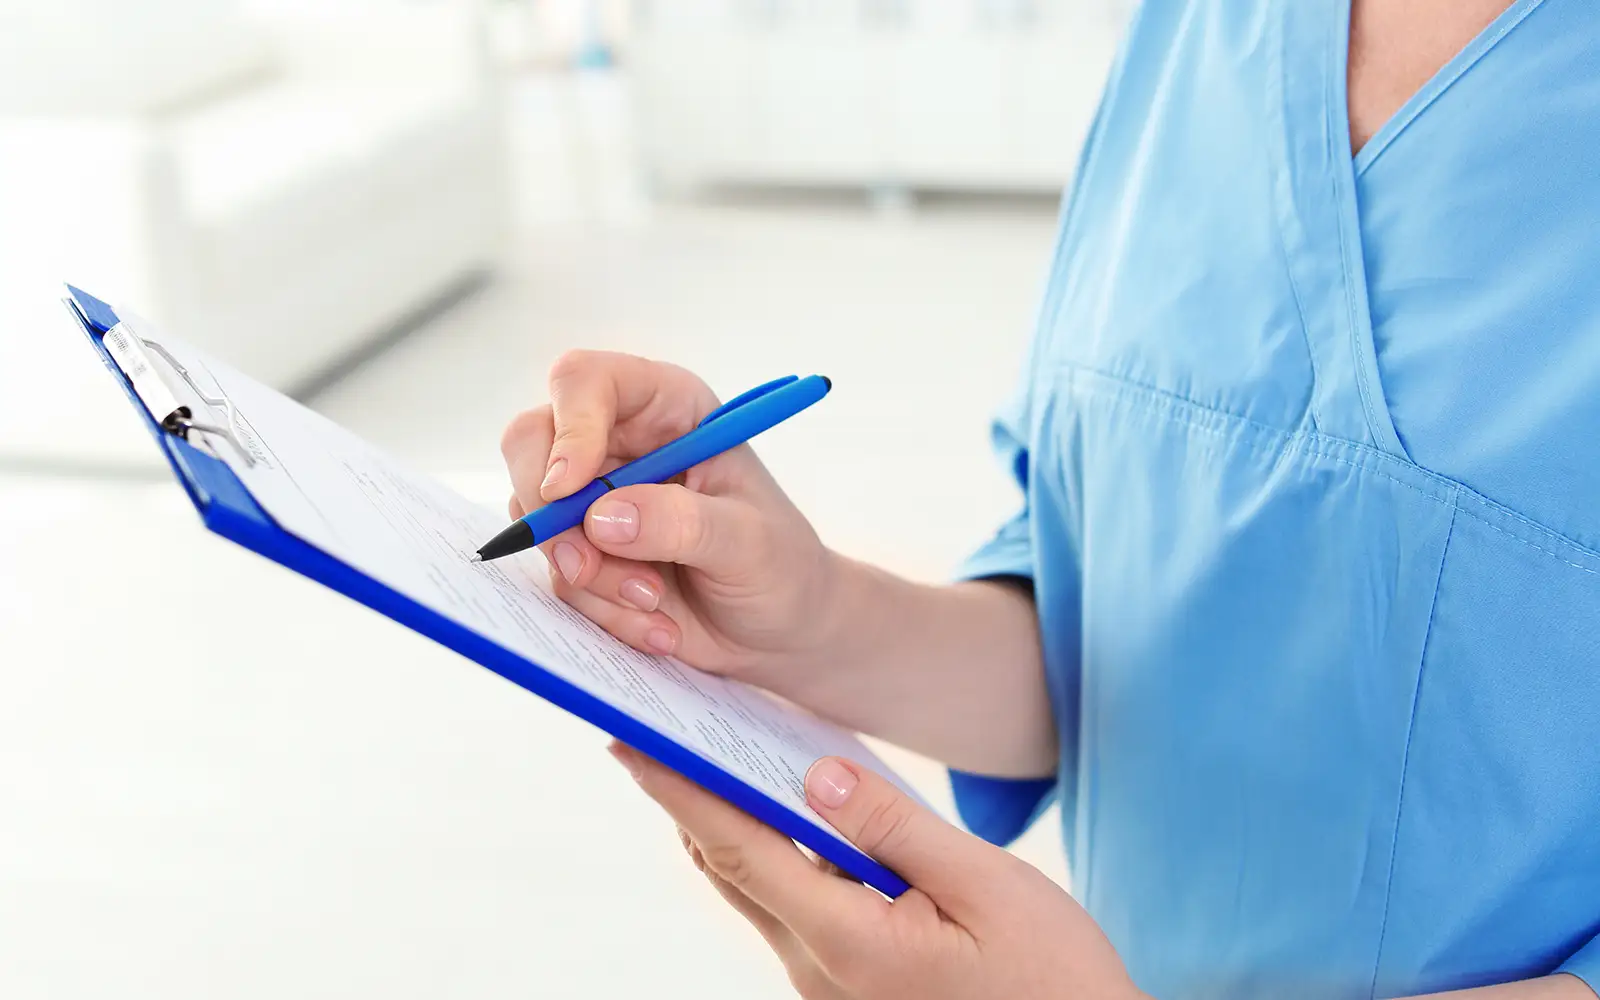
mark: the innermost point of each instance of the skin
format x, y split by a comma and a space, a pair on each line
1396, 46
723, 571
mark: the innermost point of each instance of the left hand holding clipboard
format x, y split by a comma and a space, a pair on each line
978, 922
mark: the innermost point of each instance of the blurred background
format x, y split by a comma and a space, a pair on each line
217, 780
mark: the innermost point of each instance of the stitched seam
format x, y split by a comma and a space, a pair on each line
1305, 334
1315, 446
1167, 394
1302, 446
1536, 547
1302, 441
1405, 754
1276, 109
1482, 519
1339, 42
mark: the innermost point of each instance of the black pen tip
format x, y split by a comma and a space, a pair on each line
509, 542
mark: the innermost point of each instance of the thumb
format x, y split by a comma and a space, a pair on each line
952, 867
670, 523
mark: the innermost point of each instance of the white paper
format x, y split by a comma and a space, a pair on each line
332, 489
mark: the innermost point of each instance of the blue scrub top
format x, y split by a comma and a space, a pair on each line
1310, 447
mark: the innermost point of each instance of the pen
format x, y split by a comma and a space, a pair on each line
723, 429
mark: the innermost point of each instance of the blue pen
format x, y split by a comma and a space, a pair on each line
728, 426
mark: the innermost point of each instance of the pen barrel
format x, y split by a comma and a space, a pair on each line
722, 433
559, 515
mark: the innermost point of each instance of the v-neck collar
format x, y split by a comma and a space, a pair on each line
1440, 82
1315, 181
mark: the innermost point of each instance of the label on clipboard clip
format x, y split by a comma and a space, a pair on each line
131, 357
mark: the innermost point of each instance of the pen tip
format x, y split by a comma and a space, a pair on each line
476, 557
827, 382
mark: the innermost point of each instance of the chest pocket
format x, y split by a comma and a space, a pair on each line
1500, 805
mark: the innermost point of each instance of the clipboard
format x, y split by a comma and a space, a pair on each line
227, 507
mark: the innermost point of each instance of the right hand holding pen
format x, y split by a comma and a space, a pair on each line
721, 569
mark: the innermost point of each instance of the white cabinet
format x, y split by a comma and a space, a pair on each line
947, 98
701, 69
965, 94
812, 64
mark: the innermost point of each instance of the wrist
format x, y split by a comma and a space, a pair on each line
847, 605
835, 633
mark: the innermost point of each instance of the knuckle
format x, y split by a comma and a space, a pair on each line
523, 426
759, 537
567, 434
717, 882
810, 982
845, 962
689, 525
570, 363
730, 862
886, 828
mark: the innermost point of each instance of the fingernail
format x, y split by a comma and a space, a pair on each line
627, 758
557, 470
830, 782
569, 561
660, 640
639, 594
614, 521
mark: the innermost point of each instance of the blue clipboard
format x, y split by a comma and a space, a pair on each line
228, 509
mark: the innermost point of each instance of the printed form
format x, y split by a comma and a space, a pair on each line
342, 495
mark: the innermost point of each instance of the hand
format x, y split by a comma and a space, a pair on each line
723, 571
978, 922
720, 569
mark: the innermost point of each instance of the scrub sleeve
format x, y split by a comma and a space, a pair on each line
1585, 964
1000, 809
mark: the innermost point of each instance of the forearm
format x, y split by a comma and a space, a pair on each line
1557, 987
953, 672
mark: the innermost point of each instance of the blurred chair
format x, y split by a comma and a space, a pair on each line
279, 182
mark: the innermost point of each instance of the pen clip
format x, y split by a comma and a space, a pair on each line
740, 400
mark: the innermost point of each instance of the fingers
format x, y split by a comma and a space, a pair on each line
809, 979
583, 398
670, 523
622, 581
585, 567
951, 866
626, 582
616, 594
591, 391
826, 912
770, 927
648, 632
525, 445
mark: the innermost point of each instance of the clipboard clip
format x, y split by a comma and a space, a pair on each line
131, 351
181, 420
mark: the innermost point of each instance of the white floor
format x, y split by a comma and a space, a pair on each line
217, 780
